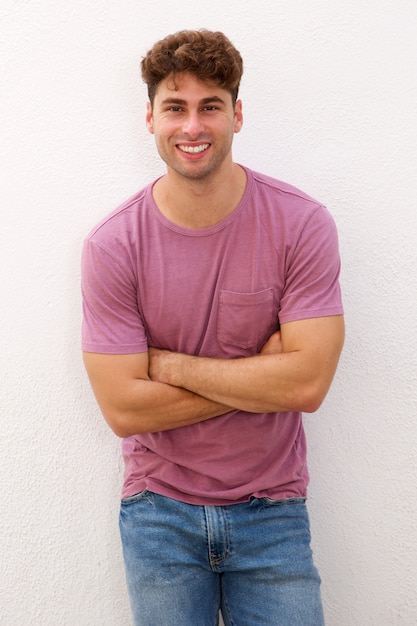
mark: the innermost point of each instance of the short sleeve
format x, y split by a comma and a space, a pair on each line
312, 271
112, 323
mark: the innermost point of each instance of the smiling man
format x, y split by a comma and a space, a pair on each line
200, 127
212, 320
194, 123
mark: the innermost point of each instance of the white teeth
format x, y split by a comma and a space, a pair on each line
194, 149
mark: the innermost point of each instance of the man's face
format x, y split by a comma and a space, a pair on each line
193, 123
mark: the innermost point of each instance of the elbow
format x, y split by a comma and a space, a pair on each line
117, 424
122, 424
312, 405
306, 398
312, 398
119, 429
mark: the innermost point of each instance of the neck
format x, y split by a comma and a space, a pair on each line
199, 203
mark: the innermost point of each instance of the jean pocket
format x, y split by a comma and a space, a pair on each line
135, 498
246, 320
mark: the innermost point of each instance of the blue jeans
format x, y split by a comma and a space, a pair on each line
252, 561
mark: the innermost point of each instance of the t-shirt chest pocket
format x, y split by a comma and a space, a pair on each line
246, 319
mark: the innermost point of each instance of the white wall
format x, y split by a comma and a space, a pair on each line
330, 101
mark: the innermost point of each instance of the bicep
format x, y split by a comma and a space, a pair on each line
112, 376
318, 343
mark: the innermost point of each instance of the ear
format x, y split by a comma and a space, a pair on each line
149, 120
238, 116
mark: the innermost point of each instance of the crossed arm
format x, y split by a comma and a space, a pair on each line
161, 390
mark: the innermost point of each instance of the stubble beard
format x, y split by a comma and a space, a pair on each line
194, 170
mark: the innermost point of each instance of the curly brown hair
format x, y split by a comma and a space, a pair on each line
208, 55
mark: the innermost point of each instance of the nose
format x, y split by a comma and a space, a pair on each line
193, 125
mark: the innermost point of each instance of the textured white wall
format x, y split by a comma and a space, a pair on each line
330, 101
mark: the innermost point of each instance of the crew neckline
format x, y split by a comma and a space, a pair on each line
209, 230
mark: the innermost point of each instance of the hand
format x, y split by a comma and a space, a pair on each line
163, 365
273, 345
155, 357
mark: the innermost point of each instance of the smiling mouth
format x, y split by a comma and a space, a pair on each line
193, 149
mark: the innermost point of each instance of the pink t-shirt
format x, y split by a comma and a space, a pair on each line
216, 292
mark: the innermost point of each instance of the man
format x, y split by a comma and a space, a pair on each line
212, 319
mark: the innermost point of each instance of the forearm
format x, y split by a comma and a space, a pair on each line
258, 384
293, 371
152, 407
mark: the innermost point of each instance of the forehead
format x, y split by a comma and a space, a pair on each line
189, 88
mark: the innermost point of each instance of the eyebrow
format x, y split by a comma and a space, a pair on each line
180, 102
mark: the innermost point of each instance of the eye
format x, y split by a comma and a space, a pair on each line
210, 107
174, 109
